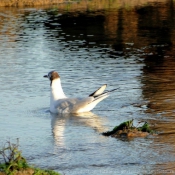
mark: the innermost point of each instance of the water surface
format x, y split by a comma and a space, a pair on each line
126, 47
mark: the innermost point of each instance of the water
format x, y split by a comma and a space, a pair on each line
127, 46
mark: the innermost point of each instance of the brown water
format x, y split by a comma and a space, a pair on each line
127, 46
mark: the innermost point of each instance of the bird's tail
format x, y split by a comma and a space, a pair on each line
104, 95
99, 95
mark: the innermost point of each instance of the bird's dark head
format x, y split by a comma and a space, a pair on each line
52, 75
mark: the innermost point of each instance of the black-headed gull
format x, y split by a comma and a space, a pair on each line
60, 103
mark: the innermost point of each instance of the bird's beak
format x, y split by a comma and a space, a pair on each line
45, 76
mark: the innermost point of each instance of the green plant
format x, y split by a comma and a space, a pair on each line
12, 158
44, 172
128, 126
146, 128
13, 161
125, 125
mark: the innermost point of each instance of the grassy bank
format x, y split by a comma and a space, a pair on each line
17, 3
97, 3
13, 163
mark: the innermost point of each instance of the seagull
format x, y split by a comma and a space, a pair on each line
60, 103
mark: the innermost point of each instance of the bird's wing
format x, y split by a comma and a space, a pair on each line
72, 105
102, 96
99, 91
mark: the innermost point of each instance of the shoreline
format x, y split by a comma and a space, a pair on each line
29, 3
35, 3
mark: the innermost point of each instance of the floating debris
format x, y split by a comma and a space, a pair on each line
127, 129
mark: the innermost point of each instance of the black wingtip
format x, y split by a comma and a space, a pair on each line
92, 95
106, 92
113, 90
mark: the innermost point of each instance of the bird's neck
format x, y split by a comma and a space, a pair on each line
56, 91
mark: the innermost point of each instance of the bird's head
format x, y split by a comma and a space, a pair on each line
52, 75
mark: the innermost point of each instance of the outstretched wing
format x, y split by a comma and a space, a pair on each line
98, 91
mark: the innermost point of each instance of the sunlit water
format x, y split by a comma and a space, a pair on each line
131, 49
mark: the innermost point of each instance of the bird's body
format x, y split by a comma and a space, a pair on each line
60, 103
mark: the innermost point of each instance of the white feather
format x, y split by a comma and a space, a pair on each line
59, 103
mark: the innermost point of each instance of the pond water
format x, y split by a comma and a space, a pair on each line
90, 43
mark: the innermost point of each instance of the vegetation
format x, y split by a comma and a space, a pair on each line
17, 3
13, 163
92, 3
146, 128
127, 129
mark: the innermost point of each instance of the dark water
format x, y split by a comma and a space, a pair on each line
127, 46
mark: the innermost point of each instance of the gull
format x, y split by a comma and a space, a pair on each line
60, 103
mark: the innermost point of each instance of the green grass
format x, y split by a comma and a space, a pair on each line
128, 125
13, 161
45, 172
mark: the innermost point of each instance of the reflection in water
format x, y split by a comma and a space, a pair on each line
158, 89
58, 127
158, 78
61, 122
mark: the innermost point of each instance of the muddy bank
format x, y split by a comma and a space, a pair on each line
127, 129
28, 171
